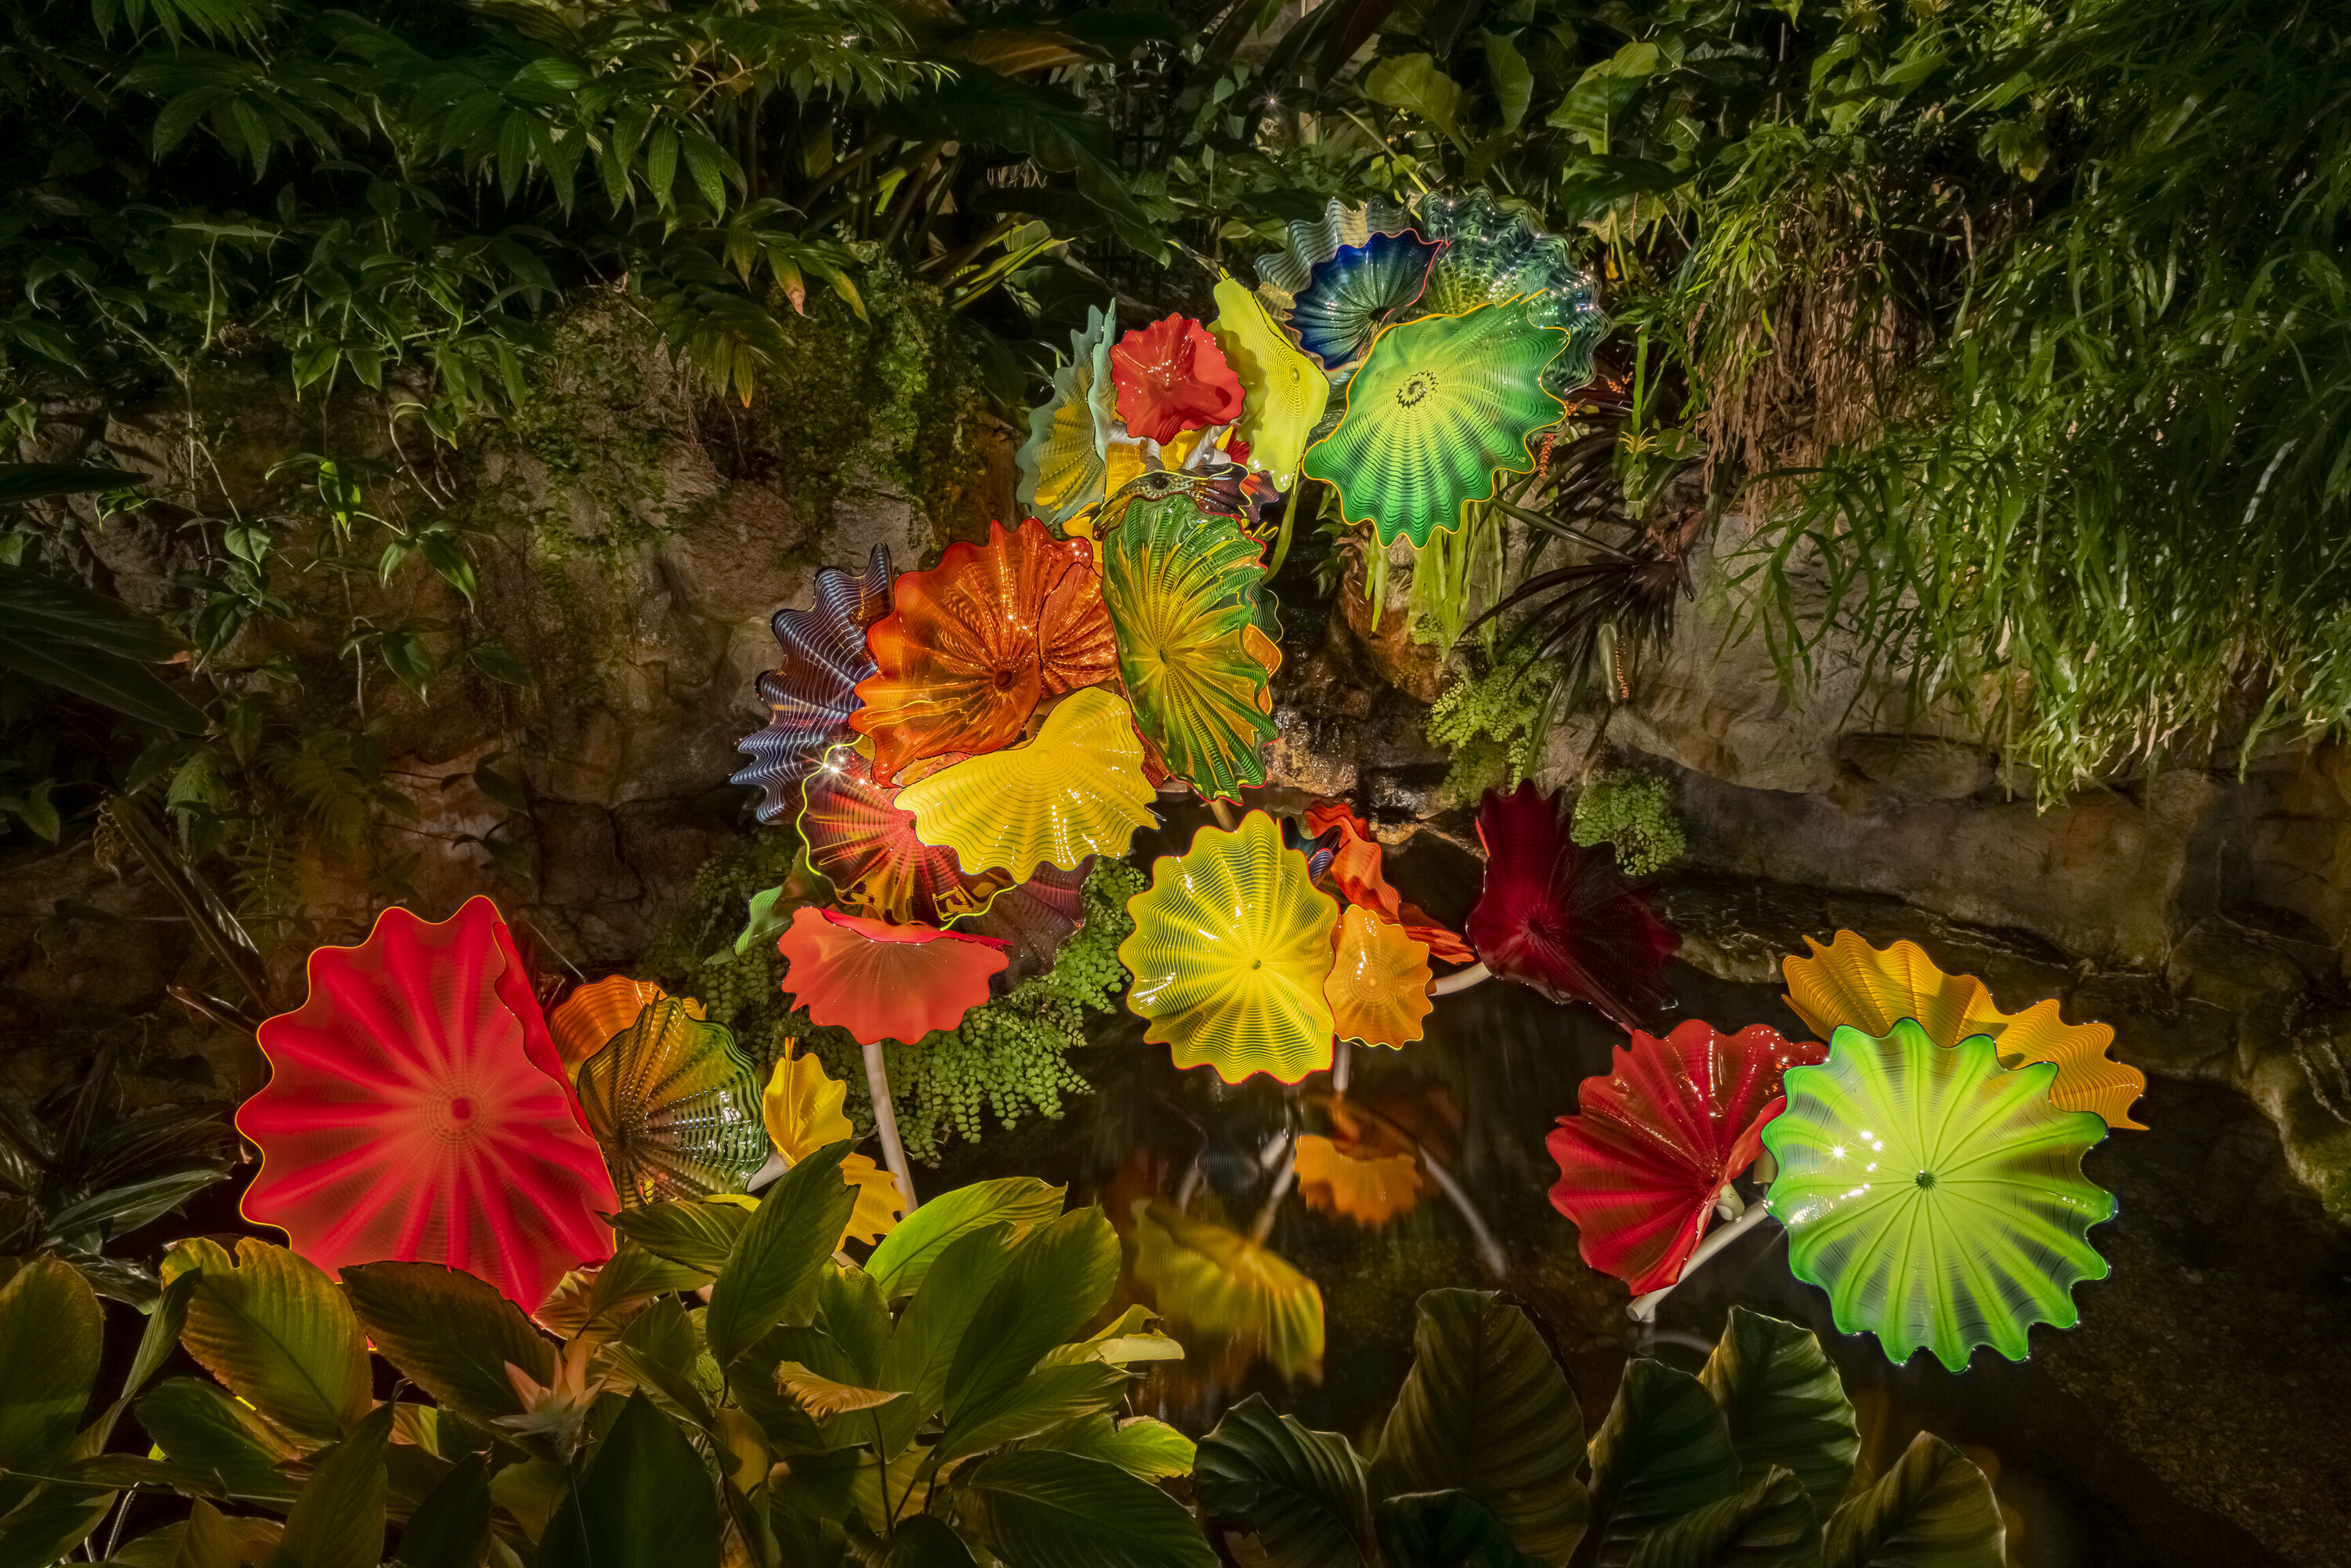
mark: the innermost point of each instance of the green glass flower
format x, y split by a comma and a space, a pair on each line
1181, 587
1063, 466
1442, 406
1491, 256
675, 1107
1938, 1200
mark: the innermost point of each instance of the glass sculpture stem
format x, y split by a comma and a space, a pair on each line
1342, 1065
1223, 814
1489, 1251
1288, 516
1475, 974
886, 1121
1644, 1309
1281, 1185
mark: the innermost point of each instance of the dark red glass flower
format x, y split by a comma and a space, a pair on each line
1673, 1120
417, 1111
1171, 378
1558, 919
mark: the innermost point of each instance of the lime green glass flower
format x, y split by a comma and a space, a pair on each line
1231, 945
1442, 406
1063, 466
1182, 588
1938, 1200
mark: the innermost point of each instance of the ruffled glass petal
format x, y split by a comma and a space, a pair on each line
676, 1107
813, 692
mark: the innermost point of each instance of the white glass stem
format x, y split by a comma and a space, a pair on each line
885, 1122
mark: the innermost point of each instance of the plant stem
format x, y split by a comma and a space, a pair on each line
1462, 980
1644, 1308
886, 1121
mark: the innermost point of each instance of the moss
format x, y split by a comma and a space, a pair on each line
1632, 810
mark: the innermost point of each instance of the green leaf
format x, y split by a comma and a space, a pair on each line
770, 1276
453, 1335
906, 1254
337, 1520
1784, 1404
43, 1530
49, 611
108, 679
823, 1398
52, 1332
1664, 1451
925, 1541
1303, 1493
1772, 1525
1142, 1446
22, 482
1038, 1402
601, 1297
1487, 1409
277, 1332
931, 1330
643, 1501
1932, 1509
450, 1528
659, 1351
1060, 1275
205, 1432
764, 925
1447, 1530
1416, 85
1044, 1509
697, 1233
1513, 79
207, 1541
849, 1305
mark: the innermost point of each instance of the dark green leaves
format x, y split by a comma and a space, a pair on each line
279, 1335
1932, 1509
337, 1520
1058, 1278
97, 647
1784, 1404
1487, 1409
904, 1256
1770, 1525
772, 1272
1057, 1510
450, 1528
51, 1332
1663, 1452
643, 1501
22, 482
451, 1333
1302, 1493
692, 1234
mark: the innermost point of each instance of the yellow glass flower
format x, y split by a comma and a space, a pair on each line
1230, 947
801, 1110
1850, 983
1215, 1282
1378, 984
1077, 789
1284, 393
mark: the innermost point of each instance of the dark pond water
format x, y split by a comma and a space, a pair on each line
2196, 1417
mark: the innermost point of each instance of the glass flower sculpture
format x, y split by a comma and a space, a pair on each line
813, 691
972, 645
862, 839
801, 1110
1171, 378
1936, 1197
1077, 789
1358, 290
416, 1112
1308, 243
1230, 947
1490, 256
1660, 1136
584, 1021
1063, 464
883, 982
1355, 871
1033, 918
1214, 1283
1367, 1169
1849, 982
1283, 393
675, 1107
1557, 918
1442, 407
1378, 983
1181, 587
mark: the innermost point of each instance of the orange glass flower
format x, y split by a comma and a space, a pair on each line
1171, 378
1355, 876
584, 1022
1378, 984
417, 1112
880, 981
973, 643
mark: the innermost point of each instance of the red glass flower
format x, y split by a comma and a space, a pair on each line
880, 981
860, 841
1557, 918
1171, 378
417, 1112
974, 643
1641, 1169
1355, 876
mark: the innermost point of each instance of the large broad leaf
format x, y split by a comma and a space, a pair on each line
337, 1521
925, 1541
643, 1501
278, 1334
1142, 1446
922, 1345
696, 1233
772, 1274
1045, 1400
1447, 1530
99, 648
1770, 1525
1302, 1493
51, 1332
22, 482
1932, 1509
206, 1432
1664, 1451
906, 1254
451, 1333
1487, 1409
43, 1530
1059, 1276
1784, 1403
450, 1528
1042, 1510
